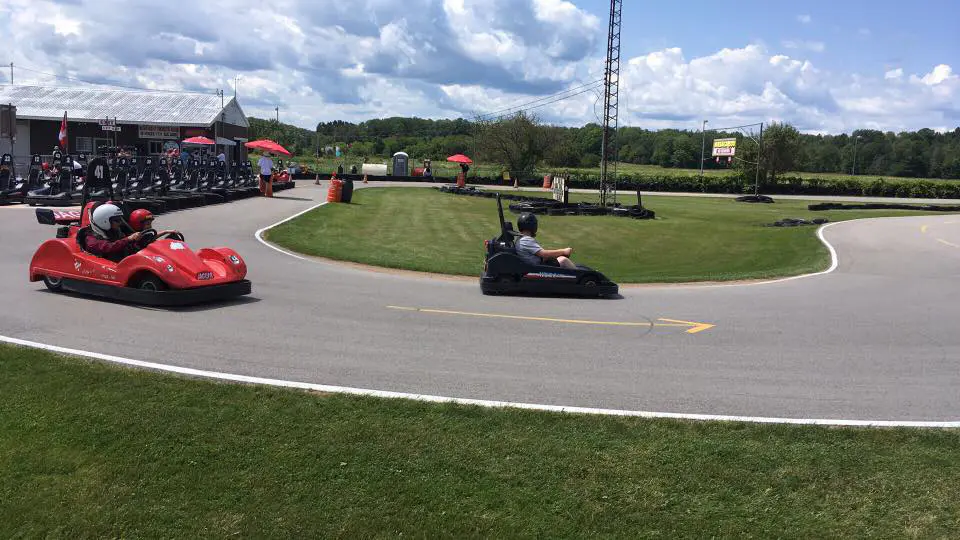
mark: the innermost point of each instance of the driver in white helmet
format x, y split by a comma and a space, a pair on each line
109, 239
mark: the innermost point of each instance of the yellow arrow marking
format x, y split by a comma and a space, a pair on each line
951, 244
693, 327
696, 326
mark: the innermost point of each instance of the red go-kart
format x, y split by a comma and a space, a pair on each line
164, 272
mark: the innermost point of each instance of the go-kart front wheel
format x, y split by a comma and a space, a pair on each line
55, 284
151, 283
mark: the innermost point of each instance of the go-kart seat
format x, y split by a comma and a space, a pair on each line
82, 237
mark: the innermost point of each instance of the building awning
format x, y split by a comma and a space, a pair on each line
225, 142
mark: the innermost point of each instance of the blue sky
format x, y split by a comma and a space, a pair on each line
868, 36
825, 67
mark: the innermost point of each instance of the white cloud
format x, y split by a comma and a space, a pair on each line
805, 19
939, 74
327, 60
815, 46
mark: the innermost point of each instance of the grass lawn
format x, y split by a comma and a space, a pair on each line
90, 450
692, 239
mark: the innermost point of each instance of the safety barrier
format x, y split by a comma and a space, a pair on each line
335, 191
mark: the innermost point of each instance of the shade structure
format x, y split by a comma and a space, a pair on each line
267, 145
459, 158
199, 140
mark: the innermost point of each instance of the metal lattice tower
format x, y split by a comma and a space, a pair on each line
611, 108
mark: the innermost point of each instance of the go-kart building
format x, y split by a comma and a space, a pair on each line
150, 121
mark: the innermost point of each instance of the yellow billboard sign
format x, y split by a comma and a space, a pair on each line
724, 147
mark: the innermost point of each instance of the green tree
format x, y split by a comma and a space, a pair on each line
780, 147
518, 142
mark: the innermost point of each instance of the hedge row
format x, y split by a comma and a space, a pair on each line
928, 189
867, 187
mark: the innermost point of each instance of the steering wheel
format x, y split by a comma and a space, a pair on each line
172, 235
147, 236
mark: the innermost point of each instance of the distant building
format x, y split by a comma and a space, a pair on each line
150, 121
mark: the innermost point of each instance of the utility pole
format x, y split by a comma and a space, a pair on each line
703, 145
855, 139
236, 79
220, 93
11, 73
756, 189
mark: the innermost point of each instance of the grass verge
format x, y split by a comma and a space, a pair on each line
91, 450
692, 239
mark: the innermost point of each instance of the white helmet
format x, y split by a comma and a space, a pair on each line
102, 215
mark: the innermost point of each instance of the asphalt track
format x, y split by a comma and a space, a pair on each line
874, 340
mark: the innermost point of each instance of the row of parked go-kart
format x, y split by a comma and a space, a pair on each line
148, 182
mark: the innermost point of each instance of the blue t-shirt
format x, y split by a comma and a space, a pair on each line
527, 249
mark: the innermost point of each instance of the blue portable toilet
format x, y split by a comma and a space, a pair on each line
400, 164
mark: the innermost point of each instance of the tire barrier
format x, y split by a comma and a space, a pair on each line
755, 199
796, 222
541, 206
884, 206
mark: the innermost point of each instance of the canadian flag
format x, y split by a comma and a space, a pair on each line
63, 132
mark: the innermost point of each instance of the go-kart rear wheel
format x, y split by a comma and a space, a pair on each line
151, 283
55, 284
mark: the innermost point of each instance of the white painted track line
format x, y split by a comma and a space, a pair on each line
466, 401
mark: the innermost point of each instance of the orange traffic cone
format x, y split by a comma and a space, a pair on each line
365, 179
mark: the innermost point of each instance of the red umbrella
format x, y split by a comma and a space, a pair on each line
268, 146
460, 158
199, 140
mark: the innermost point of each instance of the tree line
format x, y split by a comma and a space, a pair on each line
522, 144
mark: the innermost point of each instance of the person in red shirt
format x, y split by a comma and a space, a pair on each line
109, 239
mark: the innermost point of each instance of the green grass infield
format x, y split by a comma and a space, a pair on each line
692, 239
89, 450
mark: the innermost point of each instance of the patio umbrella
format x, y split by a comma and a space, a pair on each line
460, 158
267, 145
199, 140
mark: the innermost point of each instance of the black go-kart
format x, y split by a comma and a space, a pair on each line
504, 272
12, 188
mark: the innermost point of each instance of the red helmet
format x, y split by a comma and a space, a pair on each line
139, 217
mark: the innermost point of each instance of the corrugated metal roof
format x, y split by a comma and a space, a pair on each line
129, 107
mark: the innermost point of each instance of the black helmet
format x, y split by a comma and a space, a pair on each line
527, 222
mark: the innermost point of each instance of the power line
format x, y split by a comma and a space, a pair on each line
561, 98
522, 105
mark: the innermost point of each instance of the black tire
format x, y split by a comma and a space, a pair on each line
589, 282
151, 283
55, 284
